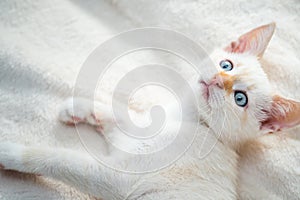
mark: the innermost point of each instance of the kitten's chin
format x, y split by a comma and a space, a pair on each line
233, 144
237, 141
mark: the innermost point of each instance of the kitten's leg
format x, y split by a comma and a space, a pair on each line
74, 168
80, 110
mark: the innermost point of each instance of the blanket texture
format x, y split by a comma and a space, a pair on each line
44, 43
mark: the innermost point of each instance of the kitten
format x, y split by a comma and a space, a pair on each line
239, 94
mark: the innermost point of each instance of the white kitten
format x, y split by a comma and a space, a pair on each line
239, 95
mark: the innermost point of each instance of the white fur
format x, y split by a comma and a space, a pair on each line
189, 176
12, 155
32, 45
183, 178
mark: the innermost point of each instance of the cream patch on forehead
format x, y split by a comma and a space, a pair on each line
234, 82
228, 81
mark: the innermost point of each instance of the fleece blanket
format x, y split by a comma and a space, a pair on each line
44, 43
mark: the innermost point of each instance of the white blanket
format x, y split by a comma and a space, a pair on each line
44, 43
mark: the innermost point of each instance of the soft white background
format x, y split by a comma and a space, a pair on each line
44, 43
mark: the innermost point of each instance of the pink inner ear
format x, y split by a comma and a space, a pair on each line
284, 113
237, 47
253, 42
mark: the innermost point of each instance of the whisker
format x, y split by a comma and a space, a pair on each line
235, 114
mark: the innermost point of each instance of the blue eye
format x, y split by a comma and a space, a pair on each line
226, 65
240, 98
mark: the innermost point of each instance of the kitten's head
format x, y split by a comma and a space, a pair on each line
240, 103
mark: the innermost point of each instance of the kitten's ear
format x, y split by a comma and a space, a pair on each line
283, 113
254, 42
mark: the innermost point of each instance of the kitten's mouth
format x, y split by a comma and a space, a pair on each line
205, 90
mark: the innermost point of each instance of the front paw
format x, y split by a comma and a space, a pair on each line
76, 110
11, 156
73, 111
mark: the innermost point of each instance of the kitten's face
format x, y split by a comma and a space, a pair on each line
239, 102
235, 95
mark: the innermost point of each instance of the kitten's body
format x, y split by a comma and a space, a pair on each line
181, 179
192, 176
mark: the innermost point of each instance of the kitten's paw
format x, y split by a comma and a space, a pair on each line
79, 110
101, 118
73, 111
11, 156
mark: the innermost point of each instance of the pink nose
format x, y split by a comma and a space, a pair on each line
217, 81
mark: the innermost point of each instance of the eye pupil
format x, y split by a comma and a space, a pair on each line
226, 65
241, 98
